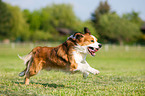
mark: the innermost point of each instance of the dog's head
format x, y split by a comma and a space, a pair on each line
86, 43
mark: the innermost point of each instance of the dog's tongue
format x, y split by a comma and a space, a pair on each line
96, 50
92, 52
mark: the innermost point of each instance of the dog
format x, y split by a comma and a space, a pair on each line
70, 56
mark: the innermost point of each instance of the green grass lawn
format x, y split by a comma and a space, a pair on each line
121, 73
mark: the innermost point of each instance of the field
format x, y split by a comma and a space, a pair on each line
122, 72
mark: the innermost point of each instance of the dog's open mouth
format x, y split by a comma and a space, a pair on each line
92, 50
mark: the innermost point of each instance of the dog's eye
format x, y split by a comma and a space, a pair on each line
92, 40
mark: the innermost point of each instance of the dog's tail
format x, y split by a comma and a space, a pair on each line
26, 58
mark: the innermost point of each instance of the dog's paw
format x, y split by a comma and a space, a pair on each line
22, 74
85, 75
97, 72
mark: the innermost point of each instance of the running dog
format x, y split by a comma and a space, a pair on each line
69, 56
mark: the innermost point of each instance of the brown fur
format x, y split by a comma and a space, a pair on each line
48, 58
60, 57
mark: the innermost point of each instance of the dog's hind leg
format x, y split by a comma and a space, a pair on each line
32, 69
26, 60
21, 74
26, 72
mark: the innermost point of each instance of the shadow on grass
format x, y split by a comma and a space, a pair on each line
46, 84
49, 85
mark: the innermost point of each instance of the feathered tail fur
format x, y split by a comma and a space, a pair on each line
27, 60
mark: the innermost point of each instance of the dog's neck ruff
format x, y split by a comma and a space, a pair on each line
80, 54
81, 49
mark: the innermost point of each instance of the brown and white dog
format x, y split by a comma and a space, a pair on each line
69, 56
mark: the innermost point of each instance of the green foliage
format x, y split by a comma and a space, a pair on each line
5, 19
35, 20
19, 26
118, 29
12, 23
112, 28
41, 25
61, 15
41, 36
133, 17
47, 19
80, 27
103, 8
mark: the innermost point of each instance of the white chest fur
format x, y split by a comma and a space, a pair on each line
79, 57
83, 66
80, 60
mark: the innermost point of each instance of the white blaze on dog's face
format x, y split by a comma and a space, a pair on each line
87, 43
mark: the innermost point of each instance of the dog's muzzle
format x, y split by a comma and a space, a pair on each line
92, 50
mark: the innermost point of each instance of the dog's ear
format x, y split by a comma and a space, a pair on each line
79, 36
86, 31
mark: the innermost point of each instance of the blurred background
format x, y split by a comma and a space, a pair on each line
113, 22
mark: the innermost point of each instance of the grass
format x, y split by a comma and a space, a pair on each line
122, 73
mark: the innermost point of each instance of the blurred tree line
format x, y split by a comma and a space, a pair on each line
114, 28
42, 24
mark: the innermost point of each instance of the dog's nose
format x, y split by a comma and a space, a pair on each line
100, 45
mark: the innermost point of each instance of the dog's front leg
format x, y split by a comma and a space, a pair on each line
83, 70
85, 74
92, 70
